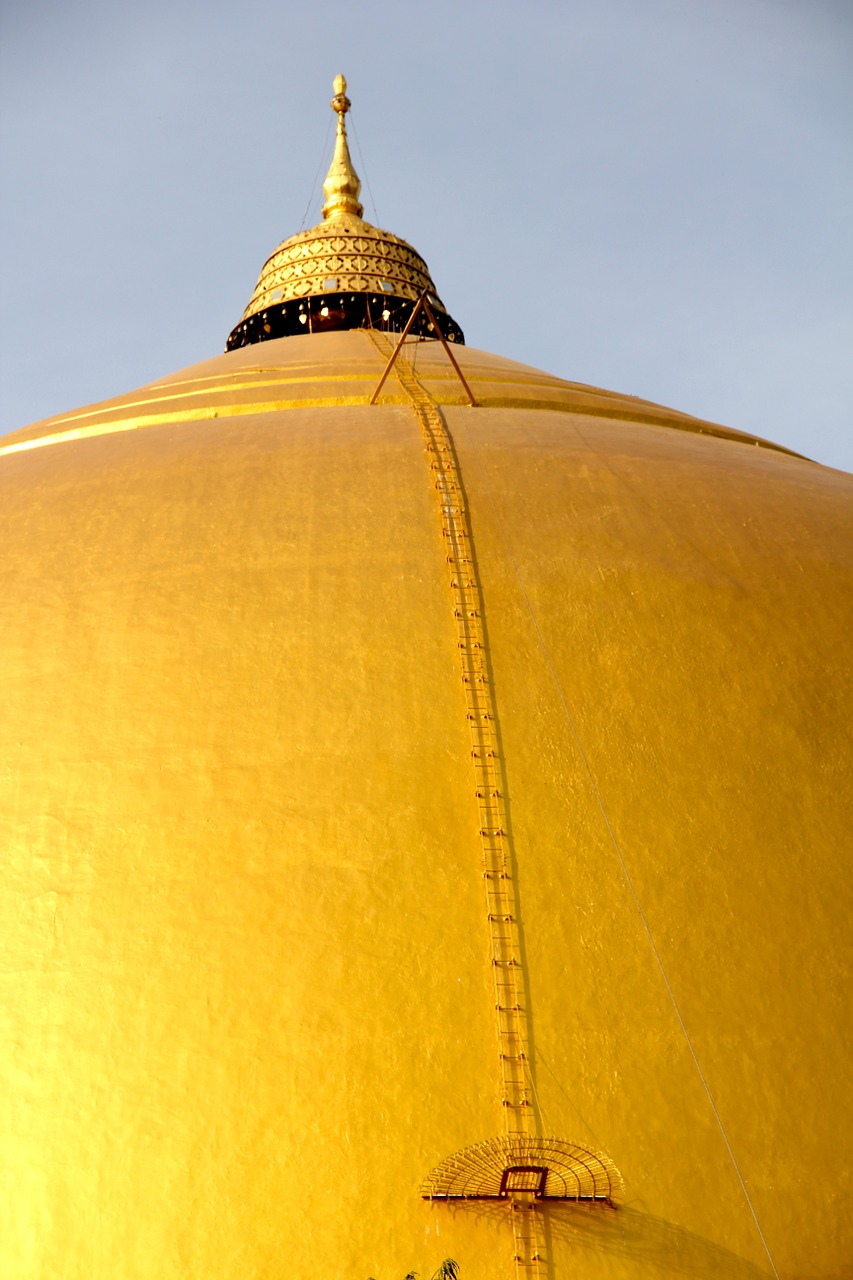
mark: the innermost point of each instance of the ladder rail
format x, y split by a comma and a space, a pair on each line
501, 896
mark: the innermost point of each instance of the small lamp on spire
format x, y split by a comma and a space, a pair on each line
342, 186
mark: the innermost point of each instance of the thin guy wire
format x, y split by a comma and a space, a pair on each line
363, 166
627, 875
546, 1125
317, 174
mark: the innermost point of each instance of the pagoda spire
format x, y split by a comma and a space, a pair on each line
343, 185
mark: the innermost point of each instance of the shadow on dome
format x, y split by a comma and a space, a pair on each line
627, 1233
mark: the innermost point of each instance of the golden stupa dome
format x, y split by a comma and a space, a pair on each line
342, 274
425, 828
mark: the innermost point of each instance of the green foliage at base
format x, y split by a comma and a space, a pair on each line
449, 1270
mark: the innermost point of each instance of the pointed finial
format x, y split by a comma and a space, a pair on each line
342, 186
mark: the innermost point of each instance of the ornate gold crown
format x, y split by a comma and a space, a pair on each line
343, 273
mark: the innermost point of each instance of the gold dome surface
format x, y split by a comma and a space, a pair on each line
248, 1003
331, 371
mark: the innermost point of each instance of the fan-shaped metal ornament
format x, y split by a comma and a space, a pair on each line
546, 1168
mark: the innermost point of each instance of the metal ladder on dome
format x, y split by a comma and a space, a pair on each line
488, 780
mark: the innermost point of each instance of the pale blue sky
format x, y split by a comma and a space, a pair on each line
648, 195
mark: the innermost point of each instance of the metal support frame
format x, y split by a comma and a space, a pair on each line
422, 304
